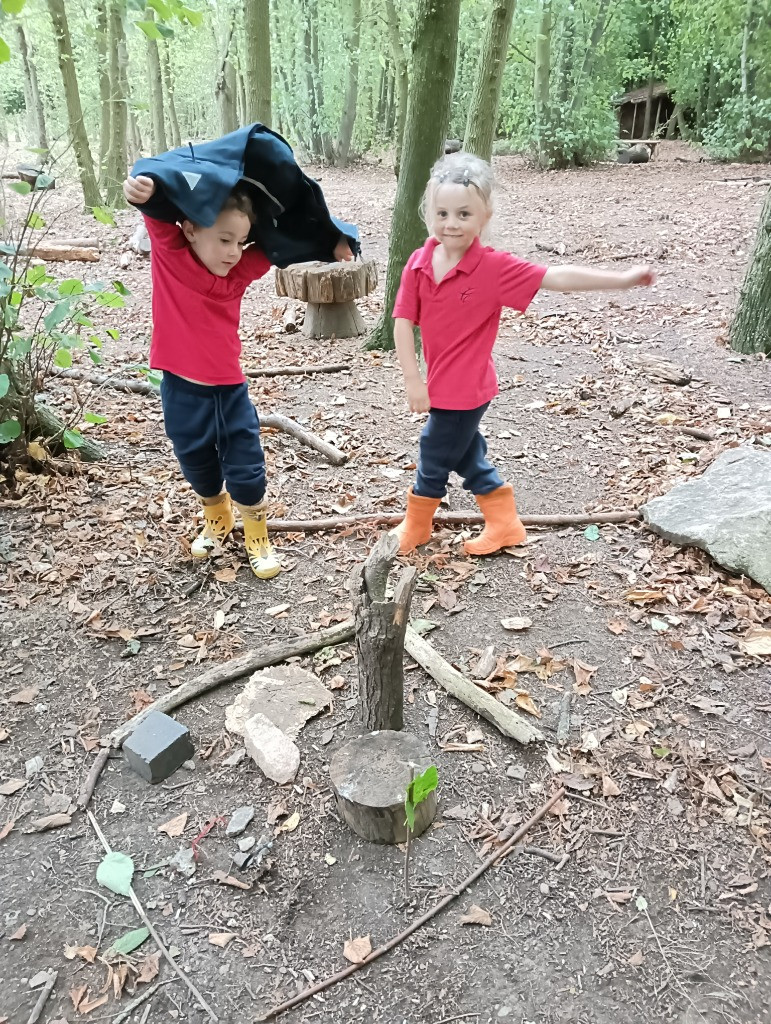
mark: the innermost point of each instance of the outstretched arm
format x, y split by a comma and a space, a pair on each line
570, 278
415, 386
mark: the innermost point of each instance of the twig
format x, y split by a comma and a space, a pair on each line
275, 421
136, 1003
698, 433
459, 1016
156, 937
87, 791
563, 726
287, 371
322, 986
556, 858
445, 519
42, 999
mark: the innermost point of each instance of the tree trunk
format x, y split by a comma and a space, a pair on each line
352, 43
313, 141
135, 139
225, 83
646, 132
428, 115
751, 327
542, 76
257, 62
32, 97
117, 159
401, 76
168, 82
103, 75
746, 35
587, 65
155, 81
72, 98
327, 148
483, 108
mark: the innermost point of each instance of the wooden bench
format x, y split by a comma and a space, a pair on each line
652, 144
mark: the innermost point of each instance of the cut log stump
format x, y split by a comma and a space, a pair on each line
330, 289
370, 776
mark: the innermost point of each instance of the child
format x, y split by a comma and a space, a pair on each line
200, 274
454, 288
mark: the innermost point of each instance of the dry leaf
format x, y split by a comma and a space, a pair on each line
19, 934
149, 967
712, 789
219, 619
476, 915
644, 596
87, 953
77, 995
357, 950
278, 609
6, 829
175, 827
225, 879
609, 787
93, 1004
12, 786
227, 575
50, 821
616, 626
291, 823
583, 674
525, 702
756, 641
636, 959
619, 897
25, 696
517, 624
221, 939
337, 683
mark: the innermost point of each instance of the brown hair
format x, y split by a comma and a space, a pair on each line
239, 199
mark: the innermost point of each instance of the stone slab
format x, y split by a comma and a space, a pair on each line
157, 747
287, 695
725, 512
271, 749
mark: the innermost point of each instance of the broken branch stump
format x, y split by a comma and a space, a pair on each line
380, 629
467, 693
370, 776
330, 290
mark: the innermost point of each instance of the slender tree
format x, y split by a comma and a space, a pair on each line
225, 82
117, 156
401, 76
257, 65
171, 107
72, 99
434, 52
483, 108
542, 76
155, 82
751, 327
32, 96
352, 43
103, 77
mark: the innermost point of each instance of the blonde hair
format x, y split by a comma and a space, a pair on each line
459, 169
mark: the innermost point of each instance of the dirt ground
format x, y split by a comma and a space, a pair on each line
662, 911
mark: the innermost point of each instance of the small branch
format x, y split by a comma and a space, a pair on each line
275, 421
563, 726
287, 371
698, 433
149, 926
42, 999
138, 387
128, 1010
87, 791
446, 519
556, 858
322, 986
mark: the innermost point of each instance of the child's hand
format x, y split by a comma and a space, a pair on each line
342, 251
640, 277
417, 395
138, 190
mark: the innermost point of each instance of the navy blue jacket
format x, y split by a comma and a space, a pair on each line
293, 222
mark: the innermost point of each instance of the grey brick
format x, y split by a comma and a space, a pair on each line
157, 747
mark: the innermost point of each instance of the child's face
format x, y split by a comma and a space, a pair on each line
458, 215
219, 247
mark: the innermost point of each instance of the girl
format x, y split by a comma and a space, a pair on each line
454, 287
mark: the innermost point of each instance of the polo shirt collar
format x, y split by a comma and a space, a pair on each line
469, 262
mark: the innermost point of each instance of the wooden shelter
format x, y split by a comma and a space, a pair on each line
631, 110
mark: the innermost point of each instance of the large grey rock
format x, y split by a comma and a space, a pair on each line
286, 694
725, 512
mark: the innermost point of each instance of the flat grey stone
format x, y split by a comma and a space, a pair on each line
183, 861
725, 512
245, 844
516, 771
39, 979
158, 747
273, 752
240, 820
33, 766
287, 695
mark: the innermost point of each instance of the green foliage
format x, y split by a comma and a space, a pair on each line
742, 130
417, 791
115, 872
129, 942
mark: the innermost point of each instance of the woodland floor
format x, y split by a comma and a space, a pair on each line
100, 613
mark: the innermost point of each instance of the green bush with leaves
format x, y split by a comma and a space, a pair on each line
742, 130
43, 320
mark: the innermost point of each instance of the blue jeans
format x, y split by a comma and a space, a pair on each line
216, 436
451, 442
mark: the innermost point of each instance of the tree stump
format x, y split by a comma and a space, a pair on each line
370, 776
330, 290
380, 628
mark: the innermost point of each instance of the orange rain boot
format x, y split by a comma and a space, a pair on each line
415, 528
262, 558
503, 527
219, 521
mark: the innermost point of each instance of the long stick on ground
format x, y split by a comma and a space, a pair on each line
447, 519
273, 654
290, 371
392, 943
456, 684
149, 926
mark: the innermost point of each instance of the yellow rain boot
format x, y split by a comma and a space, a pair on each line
415, 528
262, 558
219, 521
503, 527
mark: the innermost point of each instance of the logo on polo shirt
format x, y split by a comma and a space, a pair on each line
466, 294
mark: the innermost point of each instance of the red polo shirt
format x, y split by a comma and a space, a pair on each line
196, 313
459, 317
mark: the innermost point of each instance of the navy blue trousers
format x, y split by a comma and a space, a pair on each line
451, 442
216, 436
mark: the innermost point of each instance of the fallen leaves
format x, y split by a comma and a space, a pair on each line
477, 915
12, 786
583, 674
357, 950
175, 826
221, 939
19, 934
50, 821
525, 702
291, 823
224, 879
87, 953
756, 642
516, 625
25, 696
